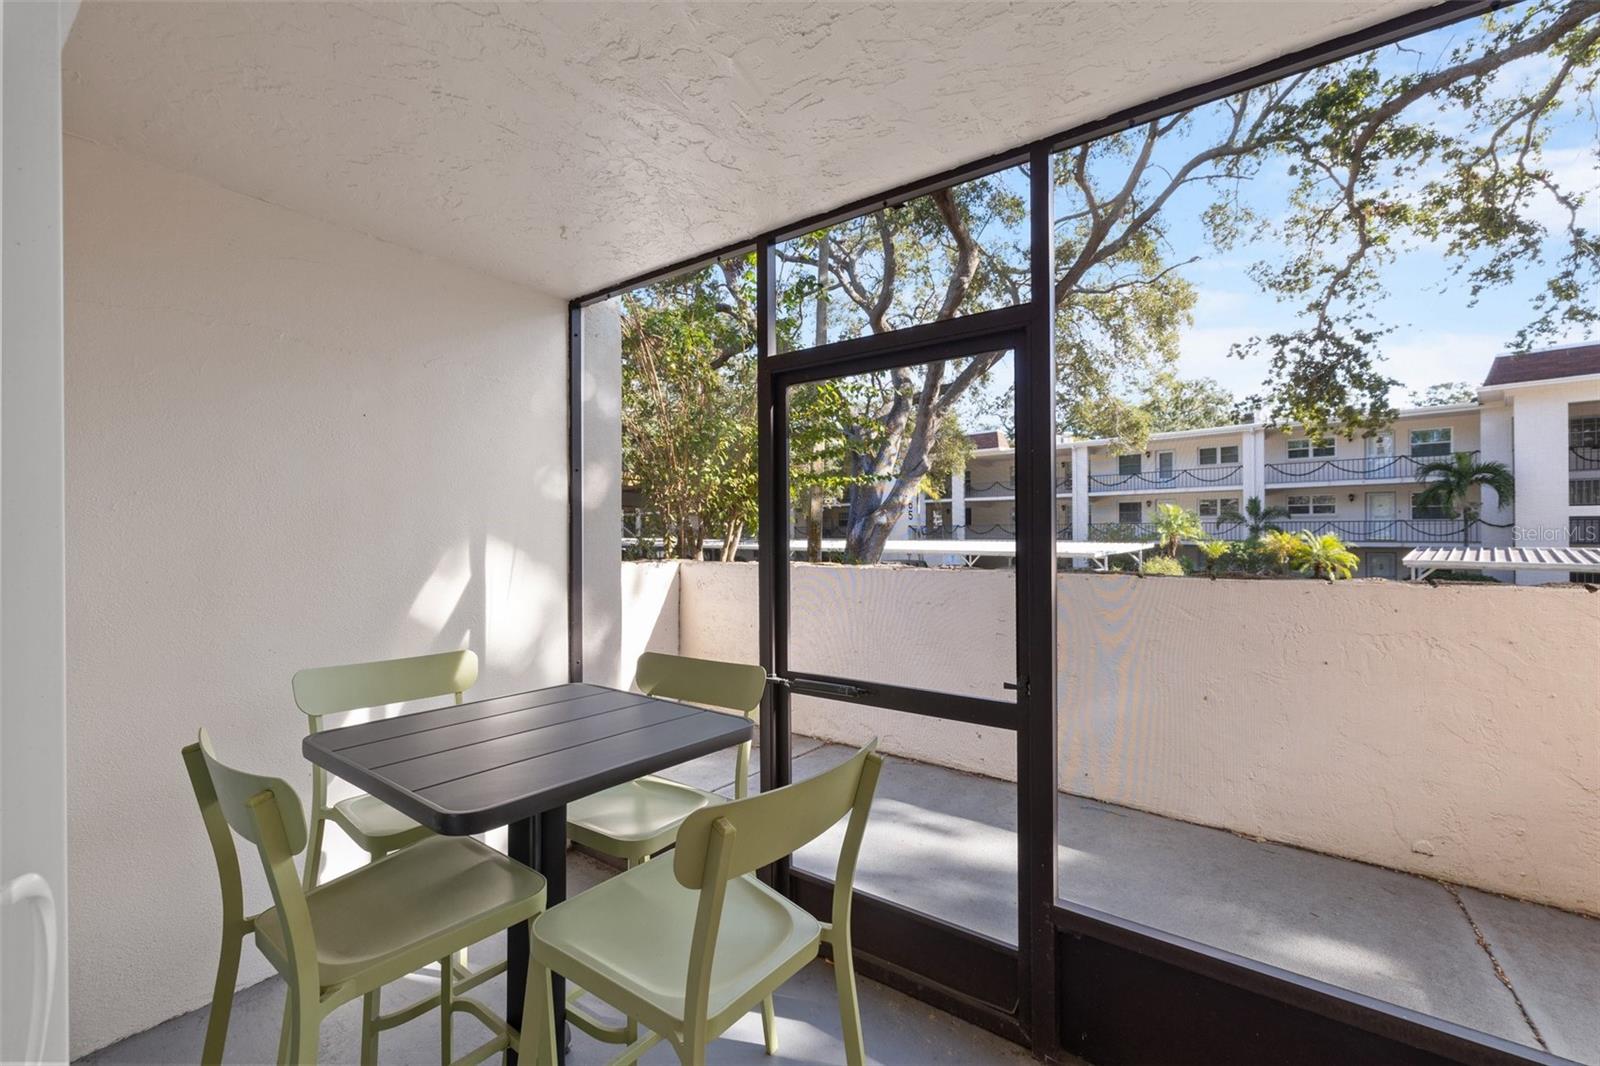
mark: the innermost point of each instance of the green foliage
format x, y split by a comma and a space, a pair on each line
1449, 484
1162, 566
1175, 403
1324, 556
1447, 392
1257, 519
1277, 550
1214, 552
1173, 525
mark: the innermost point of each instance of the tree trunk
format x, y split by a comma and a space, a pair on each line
814, 493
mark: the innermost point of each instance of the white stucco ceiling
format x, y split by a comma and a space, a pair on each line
568, 146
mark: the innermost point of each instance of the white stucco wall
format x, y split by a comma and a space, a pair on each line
1452, 731
288, 445
1539, 429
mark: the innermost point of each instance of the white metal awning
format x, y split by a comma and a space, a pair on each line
1424, 561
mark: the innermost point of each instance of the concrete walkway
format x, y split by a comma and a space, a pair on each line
944, 843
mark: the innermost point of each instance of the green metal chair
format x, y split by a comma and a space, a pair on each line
635, 820
376, 827
351, 936
687, 947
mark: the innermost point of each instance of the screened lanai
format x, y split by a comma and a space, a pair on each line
338, 371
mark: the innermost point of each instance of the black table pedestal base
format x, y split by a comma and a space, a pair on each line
539, 842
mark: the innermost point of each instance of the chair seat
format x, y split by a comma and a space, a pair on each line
631, 935
636, 819
374, 825
416, 906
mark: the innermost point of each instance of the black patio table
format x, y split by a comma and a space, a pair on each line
517, 761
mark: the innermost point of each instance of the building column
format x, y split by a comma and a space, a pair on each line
1253, 459
1080, 498
1539, 447
958, 504
1495, 445
602, 495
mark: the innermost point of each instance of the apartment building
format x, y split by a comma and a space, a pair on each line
1538, 412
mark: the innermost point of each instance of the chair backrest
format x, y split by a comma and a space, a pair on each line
331, 689
234, 789
734, 686
773, 824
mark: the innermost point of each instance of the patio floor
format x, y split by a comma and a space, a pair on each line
944, 843
899, 1031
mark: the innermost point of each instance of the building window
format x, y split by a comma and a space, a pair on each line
1129, 514
1438, 510
1217, 508
1310, 505
1584, 492
1208, 457
1584, 432
1584, 531
1208, 508
1229, 505
1128, 464
1428, 442
1229, 453
1584, 577
1309, 449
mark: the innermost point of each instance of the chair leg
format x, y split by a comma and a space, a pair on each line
536, 1044
313, 868
370, 1009
446, 983
222, 999
844, 976
307, 1029
286, 1029
769, 1025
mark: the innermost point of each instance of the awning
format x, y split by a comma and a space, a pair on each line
1424, 561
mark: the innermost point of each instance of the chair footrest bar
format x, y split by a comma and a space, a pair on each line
606, 1034
483, 1051
636, 1049
405, 1014
467, 980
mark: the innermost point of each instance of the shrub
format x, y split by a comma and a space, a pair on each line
1162, 566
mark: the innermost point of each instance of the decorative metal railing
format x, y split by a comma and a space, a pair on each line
1583, 457
1360, 468
1198, 477
980, 490
1349, 530
1583, 492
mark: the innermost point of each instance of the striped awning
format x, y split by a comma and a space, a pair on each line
1552, 558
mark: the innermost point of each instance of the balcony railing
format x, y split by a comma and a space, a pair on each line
979, 490
1349, 530
1363, 468
1584, 457
1198, 477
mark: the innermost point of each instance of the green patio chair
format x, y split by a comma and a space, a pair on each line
351, 936
687, 947
376, 827
634, 821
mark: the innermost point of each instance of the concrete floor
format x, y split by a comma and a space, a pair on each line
899, 1031
944, 843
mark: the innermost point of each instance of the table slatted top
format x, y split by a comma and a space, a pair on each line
474, 766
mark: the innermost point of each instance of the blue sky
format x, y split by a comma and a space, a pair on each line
1439, 335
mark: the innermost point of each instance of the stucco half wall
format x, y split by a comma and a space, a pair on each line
1453, 731
287, 445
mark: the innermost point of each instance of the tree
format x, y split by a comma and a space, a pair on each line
1449, 484
1447, 392
1371, 169
1258, 520
1173, 525
1325, 556
1278, 548
1213, 551
1174, 403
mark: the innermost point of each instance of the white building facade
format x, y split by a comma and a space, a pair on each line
1539, 413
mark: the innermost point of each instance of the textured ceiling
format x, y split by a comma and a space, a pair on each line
568, 146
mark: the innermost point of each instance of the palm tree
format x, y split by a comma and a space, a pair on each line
1173, 525
1325, 556
1450, 481
1277, 549
1213, 551
1257, 520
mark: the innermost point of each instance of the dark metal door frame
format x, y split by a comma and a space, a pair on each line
916, 951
